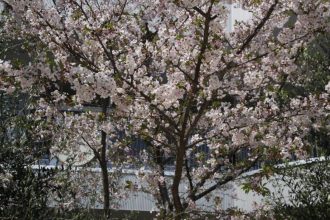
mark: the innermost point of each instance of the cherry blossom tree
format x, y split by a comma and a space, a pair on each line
170, 74
74, 133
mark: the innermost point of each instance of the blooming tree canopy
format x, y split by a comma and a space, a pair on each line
170, 74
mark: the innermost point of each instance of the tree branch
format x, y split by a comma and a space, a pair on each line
224, 181
258, 28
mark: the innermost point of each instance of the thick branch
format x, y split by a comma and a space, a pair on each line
224, 181
191, 185
258, 28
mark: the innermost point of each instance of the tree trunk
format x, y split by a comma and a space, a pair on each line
164, 194
104, 165
176, 183
105, 182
